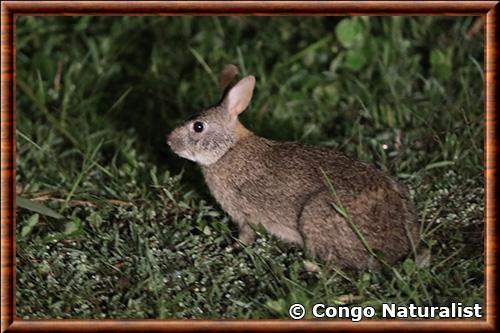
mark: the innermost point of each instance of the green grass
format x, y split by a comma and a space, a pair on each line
140, 235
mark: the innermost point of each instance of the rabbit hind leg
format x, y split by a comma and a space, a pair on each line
328, 236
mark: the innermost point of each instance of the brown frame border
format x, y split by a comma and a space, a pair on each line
11, 9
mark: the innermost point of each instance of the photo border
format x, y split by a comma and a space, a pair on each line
11, 9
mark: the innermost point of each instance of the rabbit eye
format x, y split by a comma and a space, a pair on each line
198, 126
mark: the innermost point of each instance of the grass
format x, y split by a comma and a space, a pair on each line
140, 235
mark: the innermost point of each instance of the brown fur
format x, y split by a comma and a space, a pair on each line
281, 186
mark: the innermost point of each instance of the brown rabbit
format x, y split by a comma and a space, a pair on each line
285, 186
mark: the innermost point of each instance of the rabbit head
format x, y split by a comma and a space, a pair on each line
208, 135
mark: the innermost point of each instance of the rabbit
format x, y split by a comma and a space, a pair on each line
341, 210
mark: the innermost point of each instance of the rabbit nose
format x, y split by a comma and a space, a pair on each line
169, 141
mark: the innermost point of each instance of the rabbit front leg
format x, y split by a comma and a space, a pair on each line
246, 234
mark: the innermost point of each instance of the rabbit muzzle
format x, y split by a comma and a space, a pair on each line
169, 140
174, 142
178, 145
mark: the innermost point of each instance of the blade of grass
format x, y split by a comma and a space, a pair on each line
37, 207
204, 64
341, 210
297, 56
119, 100
79, 178
241, 61
25, 137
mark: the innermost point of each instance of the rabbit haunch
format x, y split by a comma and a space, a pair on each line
282, 186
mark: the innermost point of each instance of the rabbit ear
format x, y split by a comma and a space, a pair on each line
238, 98
227, 76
